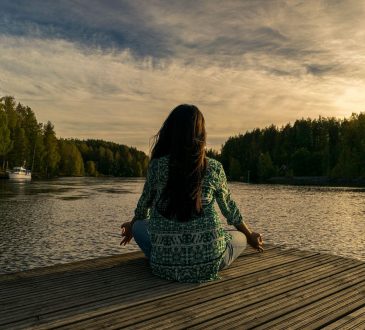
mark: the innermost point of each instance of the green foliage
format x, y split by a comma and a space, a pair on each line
110, 158
52, 155
91, 168
22, 138
323, 146
26, 134
20, 146
5, 142
71, 163
235, 171
301, 162
211, 153
351, 163
319, 147
265, 168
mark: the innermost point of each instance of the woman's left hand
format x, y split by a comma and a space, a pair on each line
255, 241
127, 233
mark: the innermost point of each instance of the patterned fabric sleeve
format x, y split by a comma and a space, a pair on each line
225, 202
144, 204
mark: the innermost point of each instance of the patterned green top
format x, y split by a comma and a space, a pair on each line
188, 251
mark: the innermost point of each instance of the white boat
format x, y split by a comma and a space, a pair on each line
20, 173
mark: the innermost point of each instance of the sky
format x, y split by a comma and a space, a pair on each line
113, 70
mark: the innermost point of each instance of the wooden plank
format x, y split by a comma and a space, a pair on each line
69, 300
88, 294
25, 283
215, 312
122, 273
352, 321
175, 302
323, 311
300, 288
90, 265
66, 275
198, 297
76, 266
29, 286
165, 310
46, 308
135, 287
266, 310
54, 289
59, 287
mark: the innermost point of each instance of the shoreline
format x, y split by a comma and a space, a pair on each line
317, 181
279, 180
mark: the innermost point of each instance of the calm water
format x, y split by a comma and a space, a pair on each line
49, 222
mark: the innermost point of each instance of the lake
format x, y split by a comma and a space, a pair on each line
68, 219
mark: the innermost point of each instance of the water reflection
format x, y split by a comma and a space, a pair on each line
311, 218
49, 222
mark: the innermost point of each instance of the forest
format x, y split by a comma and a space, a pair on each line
323, 147
23, 139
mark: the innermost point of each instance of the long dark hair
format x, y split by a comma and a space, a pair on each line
182, 137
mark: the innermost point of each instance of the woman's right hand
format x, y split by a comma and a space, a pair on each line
127, 233
255, 241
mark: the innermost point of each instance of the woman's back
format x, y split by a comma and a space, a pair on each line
175, 222
188, 251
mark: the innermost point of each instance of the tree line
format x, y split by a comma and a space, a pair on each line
329, 147
23, 139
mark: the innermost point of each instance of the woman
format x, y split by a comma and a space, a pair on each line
175, 223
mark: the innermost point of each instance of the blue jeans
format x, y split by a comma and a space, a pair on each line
142, 236
234, 248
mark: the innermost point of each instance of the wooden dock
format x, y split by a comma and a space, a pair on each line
279, 289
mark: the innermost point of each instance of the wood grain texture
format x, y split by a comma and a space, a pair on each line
281, 288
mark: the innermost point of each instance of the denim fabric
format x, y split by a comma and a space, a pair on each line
234, 248
142, 236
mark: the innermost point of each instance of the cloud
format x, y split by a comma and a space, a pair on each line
319, 70
114, 69
105, 24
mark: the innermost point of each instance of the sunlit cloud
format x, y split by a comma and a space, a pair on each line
114, 70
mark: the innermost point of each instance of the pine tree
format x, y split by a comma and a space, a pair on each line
235, 171
91, 168
265, 167
71, 163
52, 156
5, 142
